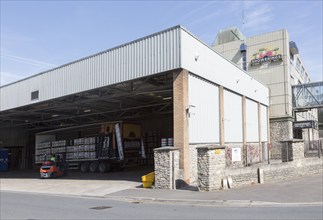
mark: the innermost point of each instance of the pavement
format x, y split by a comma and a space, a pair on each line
306, 190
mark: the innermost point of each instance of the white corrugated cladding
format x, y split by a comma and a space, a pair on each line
203, 111
232, 117
170, 49
252, 132
201, 60
153, 54
263, 121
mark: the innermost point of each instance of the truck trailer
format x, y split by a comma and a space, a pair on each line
116, 144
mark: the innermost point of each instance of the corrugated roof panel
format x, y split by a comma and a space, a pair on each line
170, 49
143, 57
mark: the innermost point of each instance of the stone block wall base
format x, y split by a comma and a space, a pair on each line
166, 167
279, 130
210, 167
275, 172
292, 150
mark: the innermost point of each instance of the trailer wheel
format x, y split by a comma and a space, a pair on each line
93, 167
84, 167
104, 167
54, 175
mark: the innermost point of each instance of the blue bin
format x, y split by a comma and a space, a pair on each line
3, 159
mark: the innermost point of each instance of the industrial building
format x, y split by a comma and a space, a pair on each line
170, 83
274, 60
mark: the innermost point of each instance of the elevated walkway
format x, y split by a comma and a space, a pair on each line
307, 96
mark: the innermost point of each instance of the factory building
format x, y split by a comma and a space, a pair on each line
168, 88
274, 60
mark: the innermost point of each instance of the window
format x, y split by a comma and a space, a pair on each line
243, 50
302, 71
298, 64
306, 77
244, 61
34, 95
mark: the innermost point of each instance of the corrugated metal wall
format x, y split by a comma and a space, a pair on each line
252, 132
263, 121
204, 111
232, 117
201, 60
156, 53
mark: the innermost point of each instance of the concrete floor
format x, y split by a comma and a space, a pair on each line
75, 183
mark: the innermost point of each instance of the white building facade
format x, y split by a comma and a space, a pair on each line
274, 60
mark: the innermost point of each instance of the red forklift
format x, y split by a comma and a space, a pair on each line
53, 167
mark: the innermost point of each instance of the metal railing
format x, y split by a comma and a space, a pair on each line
313, 148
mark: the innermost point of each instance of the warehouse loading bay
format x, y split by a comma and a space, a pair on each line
89, 128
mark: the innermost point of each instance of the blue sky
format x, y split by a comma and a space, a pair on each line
40, 35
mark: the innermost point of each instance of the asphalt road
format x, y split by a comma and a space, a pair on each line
17, 205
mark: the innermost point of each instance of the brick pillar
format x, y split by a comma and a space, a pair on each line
210, 167
180, 94
268, 125
259, 132
166, 167
244, 131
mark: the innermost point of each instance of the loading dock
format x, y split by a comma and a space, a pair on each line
147, 101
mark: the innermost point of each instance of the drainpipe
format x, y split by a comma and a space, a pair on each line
285, 79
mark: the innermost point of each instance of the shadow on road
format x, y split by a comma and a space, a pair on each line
128, 174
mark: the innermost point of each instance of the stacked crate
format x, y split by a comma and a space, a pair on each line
59, 146
42, 150
82, 149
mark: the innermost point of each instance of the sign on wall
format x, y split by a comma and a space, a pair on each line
236, 154
266, 55
304, 124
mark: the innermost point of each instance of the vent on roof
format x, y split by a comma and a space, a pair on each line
34, 95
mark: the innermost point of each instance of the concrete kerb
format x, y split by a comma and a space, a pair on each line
215, 203
196, 202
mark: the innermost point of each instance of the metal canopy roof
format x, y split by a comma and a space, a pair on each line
146, 97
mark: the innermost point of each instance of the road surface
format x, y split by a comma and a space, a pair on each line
18, 205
